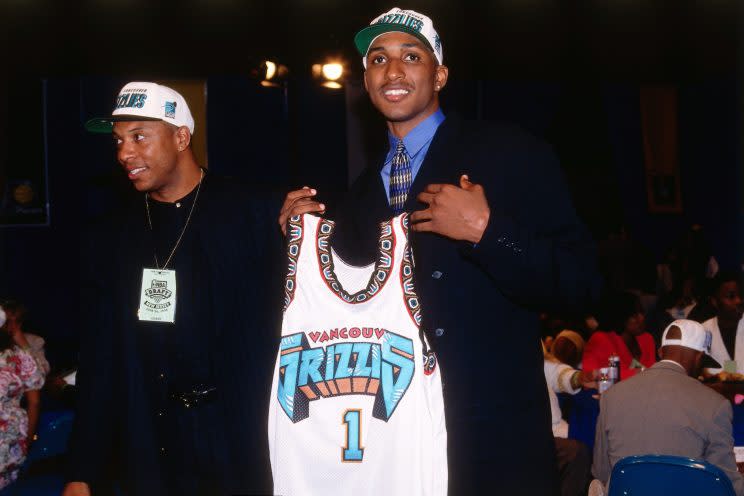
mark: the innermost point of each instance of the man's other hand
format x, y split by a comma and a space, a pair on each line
298, 202
459, 213
76, 489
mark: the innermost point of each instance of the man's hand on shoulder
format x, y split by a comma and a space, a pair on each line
298, 202
76, 489
457, 212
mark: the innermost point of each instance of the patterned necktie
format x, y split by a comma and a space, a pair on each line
400, 178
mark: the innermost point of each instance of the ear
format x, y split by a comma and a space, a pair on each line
366, 87
183, 138
699, 360
440, 77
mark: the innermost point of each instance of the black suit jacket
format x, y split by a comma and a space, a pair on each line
480, 303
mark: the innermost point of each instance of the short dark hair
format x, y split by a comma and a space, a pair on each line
723, 277
10, 306
674, 332
615, 308
16, 307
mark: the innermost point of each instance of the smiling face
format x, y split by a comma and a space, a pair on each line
149, 153
403, 79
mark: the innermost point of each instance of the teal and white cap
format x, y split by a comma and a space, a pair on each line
399, 20
140, 101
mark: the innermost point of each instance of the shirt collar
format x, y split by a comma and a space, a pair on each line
418, 136
666, 360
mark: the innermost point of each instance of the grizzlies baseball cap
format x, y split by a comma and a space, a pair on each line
693, 335
399, 20
139, 101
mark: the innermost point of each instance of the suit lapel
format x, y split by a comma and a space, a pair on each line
436, 168
437, 165
718, 349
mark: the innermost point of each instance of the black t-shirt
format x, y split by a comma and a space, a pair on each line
186, 344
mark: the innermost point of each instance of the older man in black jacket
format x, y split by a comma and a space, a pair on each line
176, 345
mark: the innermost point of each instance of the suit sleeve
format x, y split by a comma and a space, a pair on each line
720, 449
534, 247
601, 468
91, 436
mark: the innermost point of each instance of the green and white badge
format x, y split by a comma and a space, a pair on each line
158, 296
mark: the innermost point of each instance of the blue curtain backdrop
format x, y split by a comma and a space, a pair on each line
281, 139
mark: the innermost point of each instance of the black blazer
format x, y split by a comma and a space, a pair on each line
480, 303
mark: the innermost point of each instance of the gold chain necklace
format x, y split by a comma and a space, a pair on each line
188, 219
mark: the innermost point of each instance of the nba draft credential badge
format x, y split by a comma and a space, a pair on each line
158, 296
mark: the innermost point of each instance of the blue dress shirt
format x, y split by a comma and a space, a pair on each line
417, 144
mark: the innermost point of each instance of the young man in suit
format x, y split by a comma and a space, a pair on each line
495, 239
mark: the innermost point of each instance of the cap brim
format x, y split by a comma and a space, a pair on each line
364, 38
104, 125
709, 362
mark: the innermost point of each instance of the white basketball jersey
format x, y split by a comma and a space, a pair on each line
356, 405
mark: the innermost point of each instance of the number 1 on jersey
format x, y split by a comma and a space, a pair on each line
352, 451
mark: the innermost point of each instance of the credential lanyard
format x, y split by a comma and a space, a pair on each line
158, 290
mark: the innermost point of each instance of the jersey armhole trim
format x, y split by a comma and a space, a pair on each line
295, 231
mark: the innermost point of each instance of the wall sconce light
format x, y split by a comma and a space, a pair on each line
330, 74
272, 74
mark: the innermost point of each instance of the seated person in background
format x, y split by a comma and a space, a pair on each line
16, 313
19, 372
682, 300
667, 411
572, 456
704, 309
551, 324
676, 304
568, 347
727, 327
621, 332
590, 325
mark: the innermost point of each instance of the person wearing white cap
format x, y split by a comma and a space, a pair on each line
175, 320
666, 410
495, 238
152, 126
